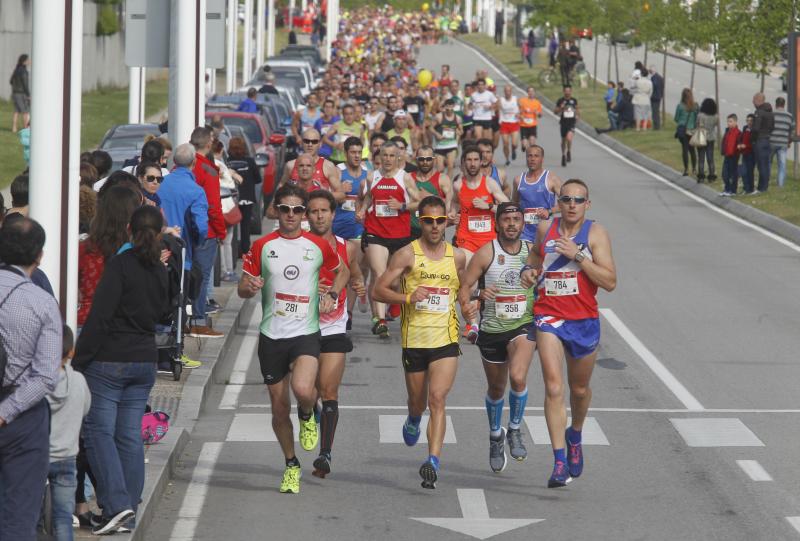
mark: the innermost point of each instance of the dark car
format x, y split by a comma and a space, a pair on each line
125, 141
306, 49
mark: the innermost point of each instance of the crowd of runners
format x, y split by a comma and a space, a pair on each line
393, 155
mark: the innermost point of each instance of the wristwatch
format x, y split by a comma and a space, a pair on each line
579, 257
334, 295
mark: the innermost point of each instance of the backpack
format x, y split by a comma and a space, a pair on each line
7, 390
155, 425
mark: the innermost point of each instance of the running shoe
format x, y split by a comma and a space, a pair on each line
429, 473
516, 448
190, 363
382, 329
410, 433
563, 161
308, 433
569, 155
574, 456
363, 305
497, 452
472, 333
113, 524
513, 153
322, 466
508, 162
291, 480
212, 307
560, 476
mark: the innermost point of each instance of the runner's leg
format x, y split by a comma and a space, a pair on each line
551, 353
506, 145
378, 258
579, 372
331, 370
441, 374
281, 421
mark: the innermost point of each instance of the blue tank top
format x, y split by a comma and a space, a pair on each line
345, 213
495, 174
534, 196
307, 121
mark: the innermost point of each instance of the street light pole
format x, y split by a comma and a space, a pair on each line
74, 176
247, 38
230, 58
260, 5
271, 28
182, 71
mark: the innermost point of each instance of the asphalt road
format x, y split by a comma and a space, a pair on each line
692, 433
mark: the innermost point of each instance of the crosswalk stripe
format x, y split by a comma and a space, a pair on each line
591, 434
391, 429
716, 432
255, 427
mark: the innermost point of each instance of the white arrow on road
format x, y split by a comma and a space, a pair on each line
476, 522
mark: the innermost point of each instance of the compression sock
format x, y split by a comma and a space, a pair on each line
494, 409
516, 405
435, 461
560, 455
292, 462
328, 422
573, 436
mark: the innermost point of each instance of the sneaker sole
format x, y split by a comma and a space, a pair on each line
557, 484
321, 468
289, 491
115, 523
429, 476
196, 335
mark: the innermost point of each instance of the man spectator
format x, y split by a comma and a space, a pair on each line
218, 125
249, 105
19, 196
779, 138
763, 123
269, 84
499, 22
206, 175
656, 96
31, 331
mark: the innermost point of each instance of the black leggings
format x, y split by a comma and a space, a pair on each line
687, 150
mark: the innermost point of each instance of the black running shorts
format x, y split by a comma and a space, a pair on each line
528, 131
390, 244
494, 346
336, 343
277, 355
418, 359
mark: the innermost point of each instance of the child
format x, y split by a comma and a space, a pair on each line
69, 403
730, 152
609, 98
745, 147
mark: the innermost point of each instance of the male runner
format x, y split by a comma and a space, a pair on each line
285, 266
388, 198
430, 270
483, 103
335, 343
509, 123
536, 192
376, 141
530, 111
489, 169
325, 173
567, 109
570, 259
324, 123
445, 132
506, 320
305, 118
431, 182
341, 130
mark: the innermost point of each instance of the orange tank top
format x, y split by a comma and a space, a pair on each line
476, 225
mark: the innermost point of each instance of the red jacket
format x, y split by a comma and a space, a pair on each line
206, 174
744, 139
729, 142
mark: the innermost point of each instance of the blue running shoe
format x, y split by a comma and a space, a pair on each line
429, 471
574, 456
410, 433
560, 476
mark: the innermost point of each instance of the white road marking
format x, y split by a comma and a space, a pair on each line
591, 434
754, 470
247, 351
195, 496
256, 427
716, 432
687, 193
795, 522
658, 368
391, 426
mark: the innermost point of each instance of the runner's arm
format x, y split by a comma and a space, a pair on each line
533, 265
333, 174
497, 192
327, 138
600, 269
447, 188
399, 263
413, 193
287, 172
356, 276
555, 187
507, 188
474, 270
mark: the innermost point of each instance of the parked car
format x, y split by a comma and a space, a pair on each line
307, 55
580, 33
309, 49
284, 75
125, 141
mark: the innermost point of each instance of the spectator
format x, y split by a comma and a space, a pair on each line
499, 22
88, 174
152, 152
269, 85
87, 207
730, 161
30, 328
69, 404
620, 88
240, 161
763, 122
531, 41
121, 178
249, 105
25, 140
21, 92
686, 119
150, 177
228, 182
117, 353
707, 120
609, 97
218, 127
779, 139
656, 96
167, 152
103, 163
621, 115
747, 168
206, 175
19, 196
552, 50
641, 89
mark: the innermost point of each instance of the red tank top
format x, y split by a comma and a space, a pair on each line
338, 315
318, 176
433, 180
381, 220
475, 225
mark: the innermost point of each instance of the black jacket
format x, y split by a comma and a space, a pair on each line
20, 82
763, 122
247, 168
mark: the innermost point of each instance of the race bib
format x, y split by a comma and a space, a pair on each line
438, 301
349, 204
531, 217
291, 306
560, 284
413, 108
457, 108
383, 210
510, 306
569, 113
479, 224
324, 129
448, 133
305, 226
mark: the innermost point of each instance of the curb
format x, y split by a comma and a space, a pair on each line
750, 214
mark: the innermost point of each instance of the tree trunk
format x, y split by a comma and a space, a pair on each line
645, 56
716, 89
608, 69
763, 76
616, 61
596, 45
664, 98
694, 65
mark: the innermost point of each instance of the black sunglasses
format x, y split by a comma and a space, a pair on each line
570, 198
154, 178
294, 209
425, 159
310, 141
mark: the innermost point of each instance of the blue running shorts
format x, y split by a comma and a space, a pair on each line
579, 336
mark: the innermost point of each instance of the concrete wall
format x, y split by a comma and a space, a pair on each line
103, 56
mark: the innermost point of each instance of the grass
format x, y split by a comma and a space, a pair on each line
659, 145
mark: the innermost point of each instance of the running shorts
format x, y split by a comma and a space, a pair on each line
469, 244
485, 124
494, 346
529, 131
445, 151
496, 123
391, 244
336, 343
580, 337
418, 359
277, 355
348, 231
509, 127
566, 127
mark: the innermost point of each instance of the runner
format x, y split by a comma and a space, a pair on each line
530, 111
401, 129
477, 199
324, 123
335, 343
325, 173
431, 182
376, 141
506, 320
446, 132
284, 266
536, 192
509, 123
305, 118
489, 169
430, 270
387, 200
570, 259
484, 103
567, 109
341, 130
374, 117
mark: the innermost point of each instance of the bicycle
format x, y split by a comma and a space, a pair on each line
548, 76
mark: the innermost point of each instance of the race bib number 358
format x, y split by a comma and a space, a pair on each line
559, 284
510, 306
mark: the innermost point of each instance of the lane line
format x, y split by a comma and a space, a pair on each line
754, 470
247, 351
658, 368
195, 497
377, 407
684, 191
795, 522
472, 502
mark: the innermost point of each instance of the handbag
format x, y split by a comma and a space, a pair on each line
680, 131
233, 216
699, 138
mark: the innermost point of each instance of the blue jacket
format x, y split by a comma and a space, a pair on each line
248, 106
184, 204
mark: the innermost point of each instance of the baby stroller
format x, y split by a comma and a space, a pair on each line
169, 335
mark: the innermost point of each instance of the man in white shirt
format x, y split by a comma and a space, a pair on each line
484, 104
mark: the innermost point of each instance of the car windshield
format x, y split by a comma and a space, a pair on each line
126, 141
249, 126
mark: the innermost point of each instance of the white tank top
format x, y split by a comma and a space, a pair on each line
509, 109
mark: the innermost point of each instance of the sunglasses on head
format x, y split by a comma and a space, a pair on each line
154, 178
567, 199
294, 209
310, 141
429, 220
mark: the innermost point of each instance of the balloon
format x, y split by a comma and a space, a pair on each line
489, 81
425, 7
424, 78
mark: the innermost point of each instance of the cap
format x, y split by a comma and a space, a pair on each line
507, 207
400, 113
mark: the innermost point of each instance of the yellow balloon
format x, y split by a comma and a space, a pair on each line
425, 6
489, 81
424, 78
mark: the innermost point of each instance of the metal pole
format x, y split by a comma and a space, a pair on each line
247, 39
260, 5
330, 21
271, 28
292, 7
468, 14
48, 132
73, 203
134, 98
505, 20
142, 94
182, 71
200, 51
230, 58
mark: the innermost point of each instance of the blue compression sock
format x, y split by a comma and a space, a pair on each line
516, 403
574, 436
435, 461
560, 455
494, 409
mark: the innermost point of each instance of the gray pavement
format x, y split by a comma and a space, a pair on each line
694, 400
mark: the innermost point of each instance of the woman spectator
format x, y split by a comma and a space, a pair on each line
642, 89
150, 177
87, 207
240, 161
117, 354
88, 174
121, 178
21, 92
228, 180
686, 119
707, 120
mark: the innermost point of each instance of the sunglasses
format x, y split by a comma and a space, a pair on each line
425, 159
294, 209
429, 220
154, 178
569, 199
311, 141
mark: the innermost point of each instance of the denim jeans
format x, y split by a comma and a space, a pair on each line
63, 482
112, 431
655, 106
706, 155
204, 255
613, 120
730, 173
761, 150
748, 169
780, 151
